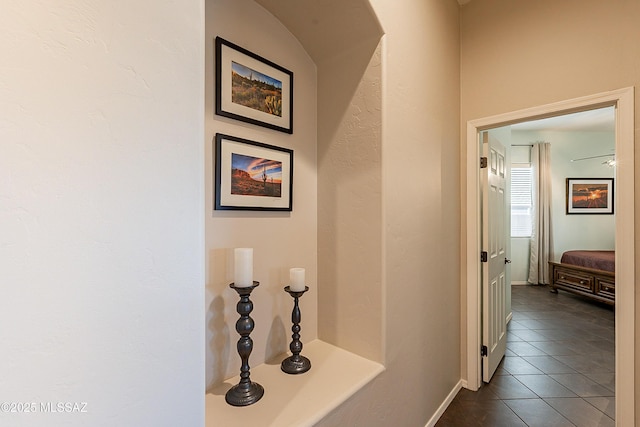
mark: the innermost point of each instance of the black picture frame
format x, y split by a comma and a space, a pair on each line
252, 89
590, 196
238, 162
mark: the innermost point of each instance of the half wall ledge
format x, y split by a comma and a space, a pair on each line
295, 400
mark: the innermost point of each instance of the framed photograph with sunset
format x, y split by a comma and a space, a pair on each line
252, 89
250, 175
589, 195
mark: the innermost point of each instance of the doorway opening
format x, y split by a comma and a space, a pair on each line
623, 101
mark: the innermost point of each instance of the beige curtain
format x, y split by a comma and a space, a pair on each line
541, 235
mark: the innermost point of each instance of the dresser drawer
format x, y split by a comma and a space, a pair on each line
582, 282
606, 288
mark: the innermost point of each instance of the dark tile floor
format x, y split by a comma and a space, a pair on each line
559, 368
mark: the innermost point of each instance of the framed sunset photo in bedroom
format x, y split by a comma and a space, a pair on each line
589, 196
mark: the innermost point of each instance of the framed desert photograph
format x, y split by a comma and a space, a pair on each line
252, 89
589, 195
251, 175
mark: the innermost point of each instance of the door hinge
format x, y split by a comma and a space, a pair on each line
483, 162
484, 350
484, 256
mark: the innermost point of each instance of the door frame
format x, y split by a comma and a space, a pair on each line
623, 100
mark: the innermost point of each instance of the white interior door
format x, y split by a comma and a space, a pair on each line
494, 244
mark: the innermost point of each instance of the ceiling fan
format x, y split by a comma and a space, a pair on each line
610, 162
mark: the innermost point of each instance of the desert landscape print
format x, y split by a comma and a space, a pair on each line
589, 196
255, 90
252, 176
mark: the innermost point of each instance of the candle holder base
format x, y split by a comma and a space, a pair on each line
295, 365
244, 396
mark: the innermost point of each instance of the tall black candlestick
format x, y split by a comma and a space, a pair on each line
246, 392
295, 364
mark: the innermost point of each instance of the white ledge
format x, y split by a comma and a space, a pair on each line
295, 400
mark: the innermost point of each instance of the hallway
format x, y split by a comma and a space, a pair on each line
559, 367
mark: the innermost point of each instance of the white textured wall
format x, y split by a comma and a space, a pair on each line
281, 240
101, 229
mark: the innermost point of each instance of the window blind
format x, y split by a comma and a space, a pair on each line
521, 201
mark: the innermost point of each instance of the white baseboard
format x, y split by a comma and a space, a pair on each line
519, 282
434, 419
509, 317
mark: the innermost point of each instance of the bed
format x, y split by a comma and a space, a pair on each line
587, 273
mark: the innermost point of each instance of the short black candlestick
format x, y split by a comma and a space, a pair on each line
295, 364
246, 392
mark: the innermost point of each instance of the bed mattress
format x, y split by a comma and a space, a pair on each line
599, 260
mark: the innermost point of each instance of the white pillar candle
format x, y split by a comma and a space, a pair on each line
296, 279
243, 267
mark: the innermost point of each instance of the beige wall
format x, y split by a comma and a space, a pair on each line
419, 217
350, 201
388, 197
522, 54
281, 240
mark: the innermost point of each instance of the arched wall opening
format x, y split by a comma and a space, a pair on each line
335, 227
